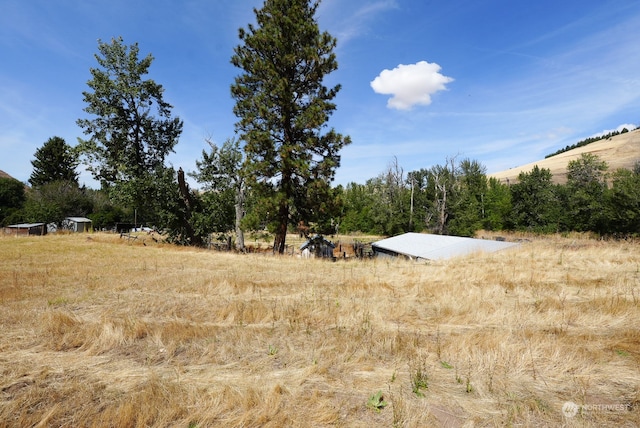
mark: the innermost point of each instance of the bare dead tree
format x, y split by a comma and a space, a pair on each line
444, 182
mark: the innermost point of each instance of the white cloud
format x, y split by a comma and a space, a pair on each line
410, 85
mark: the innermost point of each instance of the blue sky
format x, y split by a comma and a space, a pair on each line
500, 81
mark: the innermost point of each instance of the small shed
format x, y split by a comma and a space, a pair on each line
76, 224
434, 247
25, 229
317, 246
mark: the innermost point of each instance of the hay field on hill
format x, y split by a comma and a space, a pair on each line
98, 331
620, 151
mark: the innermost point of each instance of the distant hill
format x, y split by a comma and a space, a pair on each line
620, 151
4, 174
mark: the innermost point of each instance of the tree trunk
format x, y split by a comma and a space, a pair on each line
239, 213
411, 208
281, 231
442, 215
186, 197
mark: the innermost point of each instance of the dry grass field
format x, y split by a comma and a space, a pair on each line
98, 331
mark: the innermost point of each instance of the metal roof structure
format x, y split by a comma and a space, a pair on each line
24, 225
77, 224
435, 247
79, 219
26, 229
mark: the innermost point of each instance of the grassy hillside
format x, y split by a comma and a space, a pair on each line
620, 151
4, 175
99, 331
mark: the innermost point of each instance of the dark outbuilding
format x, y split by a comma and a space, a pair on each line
317, 246
25, 229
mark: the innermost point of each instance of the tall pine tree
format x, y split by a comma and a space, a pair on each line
283, 108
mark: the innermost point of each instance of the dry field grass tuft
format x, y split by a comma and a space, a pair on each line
100, 331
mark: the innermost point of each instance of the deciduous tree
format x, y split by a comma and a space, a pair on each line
624, 203
443, 180
587, 189
52, 202
132, 129
12, 198
220, 171
498, 206
470, 210
357, 204
392, 208
536, 205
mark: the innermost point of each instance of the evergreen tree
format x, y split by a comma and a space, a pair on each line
283, 108
54, 161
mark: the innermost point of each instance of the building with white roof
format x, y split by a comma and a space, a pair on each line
435, 247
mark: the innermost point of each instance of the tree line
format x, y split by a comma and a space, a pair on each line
275, 172
283, 156
458, 198
587, 141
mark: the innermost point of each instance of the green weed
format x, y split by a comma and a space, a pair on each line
376, 402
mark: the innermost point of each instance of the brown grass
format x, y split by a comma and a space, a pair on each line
105, 332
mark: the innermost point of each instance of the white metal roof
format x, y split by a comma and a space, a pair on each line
438, 247
79, 219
